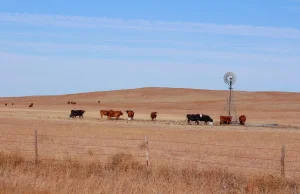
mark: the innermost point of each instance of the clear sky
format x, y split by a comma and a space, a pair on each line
58, 47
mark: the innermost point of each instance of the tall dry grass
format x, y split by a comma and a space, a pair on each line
122, 174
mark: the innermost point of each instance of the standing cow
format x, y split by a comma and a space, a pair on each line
130, 114
30, 105
242, 119
193, 117
104, 112
115, 114
225, 120
75, 113
206, 119
153, 115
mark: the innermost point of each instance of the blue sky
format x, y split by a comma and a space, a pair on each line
59, 47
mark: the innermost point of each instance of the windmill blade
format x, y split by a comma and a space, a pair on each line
228, 76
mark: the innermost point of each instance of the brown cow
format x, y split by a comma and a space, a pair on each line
99, 102
69, 102
115, 114
242, 119
31, 105
5, 104
12, 104
130, 114
153, 115
104, 112
225, 120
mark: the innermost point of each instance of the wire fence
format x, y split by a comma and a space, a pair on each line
42, 146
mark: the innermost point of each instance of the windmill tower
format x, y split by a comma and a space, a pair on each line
230, 109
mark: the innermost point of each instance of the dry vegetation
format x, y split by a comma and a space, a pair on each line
90, 172
122, 174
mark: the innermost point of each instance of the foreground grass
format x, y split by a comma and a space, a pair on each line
122, 174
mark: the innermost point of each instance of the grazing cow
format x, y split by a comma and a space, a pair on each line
5, 104
30, 105
12, 104
73, 102
104, 112
69, 102
115, 114
130, 114
225, 120
193, 117
99, 102
242, 119
205, 118
75, 113
153, 115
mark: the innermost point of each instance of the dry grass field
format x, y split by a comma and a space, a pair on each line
79, 155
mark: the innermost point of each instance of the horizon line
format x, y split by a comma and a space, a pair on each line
147, 87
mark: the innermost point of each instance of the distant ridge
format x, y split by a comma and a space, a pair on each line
154, 89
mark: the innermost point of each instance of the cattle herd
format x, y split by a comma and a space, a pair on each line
189, 117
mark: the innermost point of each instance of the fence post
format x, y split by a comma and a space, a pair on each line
282, 160
36, 148
147, 151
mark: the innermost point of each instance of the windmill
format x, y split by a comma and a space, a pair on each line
230, 109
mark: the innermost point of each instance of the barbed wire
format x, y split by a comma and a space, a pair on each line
77, 137
16, 141
217, 145
221, 155
213, 163
86, 146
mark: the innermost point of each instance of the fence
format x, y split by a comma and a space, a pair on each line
154, 149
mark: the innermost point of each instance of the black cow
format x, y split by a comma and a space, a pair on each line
205, 118
198, 117
75, 113
193, 117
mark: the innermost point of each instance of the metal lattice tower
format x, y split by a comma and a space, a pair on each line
230, 109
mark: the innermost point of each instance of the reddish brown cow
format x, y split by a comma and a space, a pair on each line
225, 120
104, 112
5, 104
153, 115
242, 119
130, 114
30, 105
115, 114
